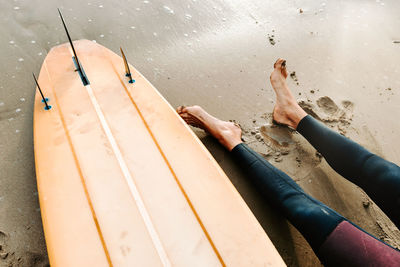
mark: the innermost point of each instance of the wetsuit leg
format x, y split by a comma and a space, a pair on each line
312, 218
322, 227
379, 178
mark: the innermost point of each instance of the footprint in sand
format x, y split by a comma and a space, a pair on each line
330, 113
3, 253
279, 137
269, 140
327, 105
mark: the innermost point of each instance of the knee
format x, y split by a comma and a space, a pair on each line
314, 220
383, 172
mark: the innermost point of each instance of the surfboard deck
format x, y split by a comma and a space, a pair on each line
123, 181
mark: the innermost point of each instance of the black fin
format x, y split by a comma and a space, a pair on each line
44, 99
85, 81
127, 70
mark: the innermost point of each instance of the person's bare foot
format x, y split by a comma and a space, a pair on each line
286, 110
227, 133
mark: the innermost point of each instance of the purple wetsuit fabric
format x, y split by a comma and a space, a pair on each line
349, 246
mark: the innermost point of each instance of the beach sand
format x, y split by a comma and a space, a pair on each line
343, 57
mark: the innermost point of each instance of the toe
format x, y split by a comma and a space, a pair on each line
279, 62
185, 116
179, 109
280, 65
284, 70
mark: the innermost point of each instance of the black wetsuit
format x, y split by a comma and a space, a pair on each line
335, 240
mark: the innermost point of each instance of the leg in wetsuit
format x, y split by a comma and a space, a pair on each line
335, 240
379, 178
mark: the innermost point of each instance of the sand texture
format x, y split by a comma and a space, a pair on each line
343, 62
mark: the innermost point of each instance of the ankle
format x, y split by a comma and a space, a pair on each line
295, 115
230, 144
229, 136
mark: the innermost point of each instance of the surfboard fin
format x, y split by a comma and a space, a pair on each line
44, 99
127, 70
77, 63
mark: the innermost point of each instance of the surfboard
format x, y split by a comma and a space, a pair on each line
123, 181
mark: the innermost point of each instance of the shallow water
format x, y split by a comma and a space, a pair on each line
217, 54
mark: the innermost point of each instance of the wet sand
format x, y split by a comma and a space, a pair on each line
218, 54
